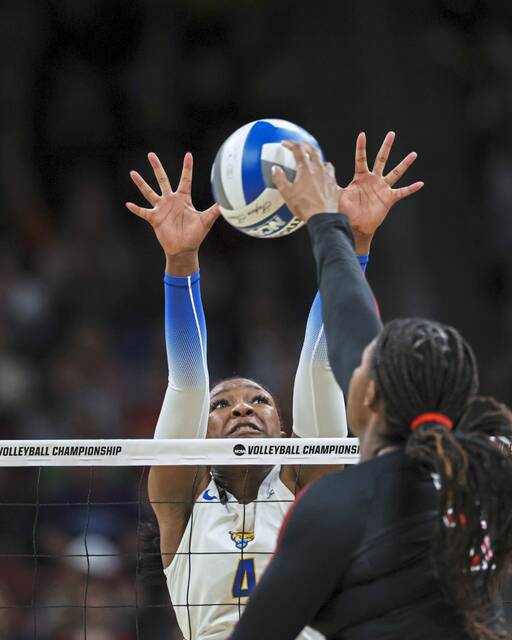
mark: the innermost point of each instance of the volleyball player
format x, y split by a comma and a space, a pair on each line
412, 542
218, 526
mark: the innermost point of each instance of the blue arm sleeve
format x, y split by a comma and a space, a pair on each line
318, 403
363, 261
184, 412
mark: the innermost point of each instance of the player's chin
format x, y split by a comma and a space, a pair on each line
246, 433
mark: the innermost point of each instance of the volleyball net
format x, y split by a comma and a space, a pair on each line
73, 530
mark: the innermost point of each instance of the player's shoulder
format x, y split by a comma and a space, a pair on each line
324, 505
329, 502
340, 484
355, 483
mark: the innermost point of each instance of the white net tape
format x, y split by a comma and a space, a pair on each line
73, 535
209, 452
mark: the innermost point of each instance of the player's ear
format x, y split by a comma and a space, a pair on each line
371, 397
283, 434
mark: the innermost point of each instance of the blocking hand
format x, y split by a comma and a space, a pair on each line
314, 189
369, 197
178, 226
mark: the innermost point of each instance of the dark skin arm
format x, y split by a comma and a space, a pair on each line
367, 201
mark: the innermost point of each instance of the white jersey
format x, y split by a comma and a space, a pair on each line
223, 552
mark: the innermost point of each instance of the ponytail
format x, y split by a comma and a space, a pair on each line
427, 379
473, 542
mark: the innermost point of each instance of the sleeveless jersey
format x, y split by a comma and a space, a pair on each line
221, 556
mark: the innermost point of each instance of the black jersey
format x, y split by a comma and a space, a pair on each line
354, 561
355, 554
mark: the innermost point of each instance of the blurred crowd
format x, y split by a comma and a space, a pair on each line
89, 87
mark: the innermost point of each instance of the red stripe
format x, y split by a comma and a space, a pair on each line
287, 518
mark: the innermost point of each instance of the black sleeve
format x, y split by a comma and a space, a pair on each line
315, 546
349, 310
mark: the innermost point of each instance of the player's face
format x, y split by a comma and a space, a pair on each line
240, 408
361, 394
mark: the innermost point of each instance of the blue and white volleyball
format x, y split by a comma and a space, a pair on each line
242, 177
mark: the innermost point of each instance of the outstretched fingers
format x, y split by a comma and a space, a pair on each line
143, 213
185, 185
383, 154
361, 165
144, 188
299, 153
314, 155
395, 174
161, 176
280, 181
404, 192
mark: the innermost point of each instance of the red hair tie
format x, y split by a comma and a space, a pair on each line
431, 417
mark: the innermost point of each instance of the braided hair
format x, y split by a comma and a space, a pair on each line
421, 367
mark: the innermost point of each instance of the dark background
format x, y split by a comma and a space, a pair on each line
90, 86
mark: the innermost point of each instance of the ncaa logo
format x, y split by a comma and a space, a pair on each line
239, 449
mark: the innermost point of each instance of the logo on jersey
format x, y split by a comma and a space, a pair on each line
241, 538
207, 496
239, 449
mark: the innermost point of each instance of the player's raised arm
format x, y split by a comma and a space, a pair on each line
180, 230
318, 405
366, 201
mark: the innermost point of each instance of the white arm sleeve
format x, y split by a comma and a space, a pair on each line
184, 412
318, 404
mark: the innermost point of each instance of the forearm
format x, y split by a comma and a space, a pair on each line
362, 243
318, 403
185, 409
348, 306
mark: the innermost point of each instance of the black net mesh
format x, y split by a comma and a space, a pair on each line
70, 557
74, 557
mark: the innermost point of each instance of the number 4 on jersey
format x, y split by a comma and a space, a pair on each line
245, 578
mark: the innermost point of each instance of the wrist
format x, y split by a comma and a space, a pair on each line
362, 242
311, 213
182, 264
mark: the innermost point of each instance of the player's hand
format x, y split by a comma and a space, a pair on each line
369, 197
178, 226
314, 189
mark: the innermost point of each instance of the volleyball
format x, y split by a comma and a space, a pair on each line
242, 182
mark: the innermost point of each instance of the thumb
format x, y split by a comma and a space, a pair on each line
280, 180
342, 208
210, 215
